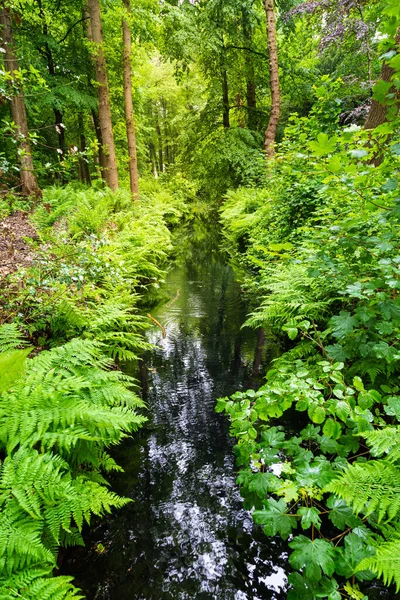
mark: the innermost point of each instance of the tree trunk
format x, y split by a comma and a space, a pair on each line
83, 167
101, 156
270, 133
129, 116
378, 112
225, 99
160, 145
29, 184
111, 173
251, 98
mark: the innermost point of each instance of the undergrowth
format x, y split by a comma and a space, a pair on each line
66, 323
319, 252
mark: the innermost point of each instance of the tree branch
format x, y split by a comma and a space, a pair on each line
262, 54
71, 28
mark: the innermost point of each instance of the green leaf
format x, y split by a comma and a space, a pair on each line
12, 365
309, 516
316, 413
341, 514
275, 518
314, 557
358, 384
393, 407
323, 145
332, 429
260, 482
353, 552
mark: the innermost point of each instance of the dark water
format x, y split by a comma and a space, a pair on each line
186, 536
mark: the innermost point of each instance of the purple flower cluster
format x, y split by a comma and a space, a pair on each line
357, 114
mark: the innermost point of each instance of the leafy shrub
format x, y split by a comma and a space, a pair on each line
324, 271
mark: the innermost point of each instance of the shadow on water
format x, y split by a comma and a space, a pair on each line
186, 535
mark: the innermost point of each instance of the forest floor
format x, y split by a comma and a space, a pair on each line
15, 250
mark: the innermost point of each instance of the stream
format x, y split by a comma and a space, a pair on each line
186, 535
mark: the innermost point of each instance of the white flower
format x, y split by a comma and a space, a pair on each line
59, 151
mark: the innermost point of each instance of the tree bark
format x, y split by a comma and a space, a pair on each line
225, 99
378, 112
111, 173
129, 115
83, 167
160, 144
29, 184
270, 133
101, 156
251, 98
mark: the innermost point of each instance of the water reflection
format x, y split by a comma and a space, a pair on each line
186, 536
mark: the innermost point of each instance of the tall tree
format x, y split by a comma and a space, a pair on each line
378, 111
270, 133
129, 115
29, 184
96, 36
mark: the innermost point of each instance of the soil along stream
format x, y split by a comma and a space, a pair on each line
186, 535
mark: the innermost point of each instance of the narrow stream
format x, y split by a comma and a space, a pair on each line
186, 535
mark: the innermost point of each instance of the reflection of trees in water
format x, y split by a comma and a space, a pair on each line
186, 535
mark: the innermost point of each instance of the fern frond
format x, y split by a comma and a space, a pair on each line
385, 563
372, 487
11, 337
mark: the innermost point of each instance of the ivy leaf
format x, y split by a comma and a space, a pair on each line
309, 516
275, 518
314, 557
350, 556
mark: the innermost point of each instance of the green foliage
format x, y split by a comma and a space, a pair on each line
325, 276
57, 421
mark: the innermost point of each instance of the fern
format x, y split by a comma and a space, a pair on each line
11, 337
68, 403
385, 563
37, 583
372, 487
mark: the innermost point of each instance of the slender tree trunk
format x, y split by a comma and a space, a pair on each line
378, 112
101, 156
29, 184
50, 66
225, 99
251, 98
160, 145
111, 173
270, 133
84, 173
129, 116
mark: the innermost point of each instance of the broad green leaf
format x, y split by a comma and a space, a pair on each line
315, 557
341, 514
332, 429
316, 413
324, 145
309, 516
275, 518
351, 554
